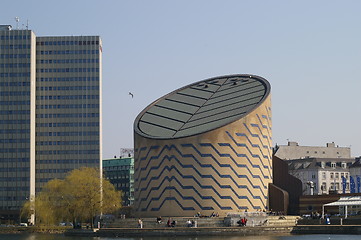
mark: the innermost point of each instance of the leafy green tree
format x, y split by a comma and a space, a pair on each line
80, 197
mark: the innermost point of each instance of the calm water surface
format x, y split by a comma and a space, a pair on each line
288, 237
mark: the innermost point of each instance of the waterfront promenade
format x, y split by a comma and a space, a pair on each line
274, 225
203, 227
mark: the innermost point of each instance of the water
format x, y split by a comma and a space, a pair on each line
288, 237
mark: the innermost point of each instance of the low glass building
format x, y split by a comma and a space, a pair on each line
120, 172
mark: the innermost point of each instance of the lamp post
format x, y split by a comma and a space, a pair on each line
32, 210
312, 186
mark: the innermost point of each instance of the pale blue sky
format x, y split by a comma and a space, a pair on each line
308, 50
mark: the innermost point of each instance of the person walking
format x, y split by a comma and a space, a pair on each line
140, 223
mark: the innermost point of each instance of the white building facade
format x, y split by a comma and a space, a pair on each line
322, 175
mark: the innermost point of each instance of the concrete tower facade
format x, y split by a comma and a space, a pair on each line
68, 105
50, 111
205, 148
17, 117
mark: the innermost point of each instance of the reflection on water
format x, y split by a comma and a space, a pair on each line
321, 237
286, 237
39, 236
206, 238
200, 238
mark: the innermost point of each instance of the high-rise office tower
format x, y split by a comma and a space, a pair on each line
50, 111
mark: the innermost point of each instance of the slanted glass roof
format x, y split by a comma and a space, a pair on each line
202, 106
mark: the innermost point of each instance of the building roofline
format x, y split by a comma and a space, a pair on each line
263, 81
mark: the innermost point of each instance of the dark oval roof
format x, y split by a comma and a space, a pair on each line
202, 106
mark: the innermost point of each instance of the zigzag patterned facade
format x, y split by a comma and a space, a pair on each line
227, 169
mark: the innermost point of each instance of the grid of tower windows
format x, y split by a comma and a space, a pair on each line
67, 88
67, 115
15, 46
65, 70
54, 43
66, 106
10, 56
66, 152
67, 79
49, 143
67, 52
51, 61
68, 124
12, 140
21, 74
14, 65
67, 100
14, 84
67, 161
15, 37
14, 112
67, 97
74, 134
15, 57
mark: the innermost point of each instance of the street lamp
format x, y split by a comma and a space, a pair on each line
312, 186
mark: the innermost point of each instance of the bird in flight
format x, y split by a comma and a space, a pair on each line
131, 94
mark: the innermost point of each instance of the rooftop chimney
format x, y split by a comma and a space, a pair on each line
292, 144
330, 145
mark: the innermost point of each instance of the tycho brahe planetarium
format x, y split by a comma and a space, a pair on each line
205, 148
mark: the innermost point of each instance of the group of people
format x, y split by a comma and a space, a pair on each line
242, 222
214, 214
190, 223
171, 223
198, 214
278, 213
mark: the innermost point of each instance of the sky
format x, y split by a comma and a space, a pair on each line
309, 51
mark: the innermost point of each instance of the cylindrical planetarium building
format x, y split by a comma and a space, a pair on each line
205, 148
